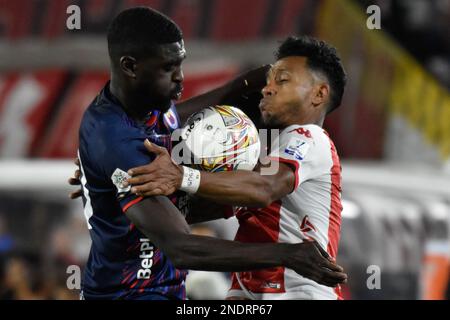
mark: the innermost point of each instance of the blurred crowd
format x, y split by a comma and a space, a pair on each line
421, 27
34, 257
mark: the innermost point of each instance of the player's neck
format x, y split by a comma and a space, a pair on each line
126, 103
302, 122
319, 122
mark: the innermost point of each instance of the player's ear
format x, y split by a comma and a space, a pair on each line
321, 94
128, 66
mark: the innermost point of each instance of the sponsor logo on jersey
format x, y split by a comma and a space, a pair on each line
302, 131
271, 285
297, 148
146, 257
306, 225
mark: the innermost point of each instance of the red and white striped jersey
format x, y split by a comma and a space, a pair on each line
311, 211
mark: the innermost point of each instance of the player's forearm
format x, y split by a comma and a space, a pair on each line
237, 188
159, 220
221, 95
211, 254
202, 210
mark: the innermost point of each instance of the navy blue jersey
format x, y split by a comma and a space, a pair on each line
123, 263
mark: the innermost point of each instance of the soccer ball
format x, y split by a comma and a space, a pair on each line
220, 138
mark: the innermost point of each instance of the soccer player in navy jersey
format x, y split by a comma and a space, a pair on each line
141, 246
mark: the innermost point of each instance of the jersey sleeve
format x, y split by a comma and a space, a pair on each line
119, 154
299, 147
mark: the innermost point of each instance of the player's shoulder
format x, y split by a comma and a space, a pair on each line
106, 121
310, 138
308, 132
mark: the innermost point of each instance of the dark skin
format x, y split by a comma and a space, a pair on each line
155, 81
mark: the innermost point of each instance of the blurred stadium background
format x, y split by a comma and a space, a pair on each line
392, 131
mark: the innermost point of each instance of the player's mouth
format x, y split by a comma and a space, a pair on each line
263, 105
176, 94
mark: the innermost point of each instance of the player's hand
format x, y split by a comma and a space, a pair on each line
75, 181
161, 177
252, 81
311, 261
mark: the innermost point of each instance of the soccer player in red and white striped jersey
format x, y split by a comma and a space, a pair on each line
311, 211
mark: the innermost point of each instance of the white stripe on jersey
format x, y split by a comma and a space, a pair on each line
88, 211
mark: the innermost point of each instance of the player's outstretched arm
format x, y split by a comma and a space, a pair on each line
164, 225
237, 188
202, 210
245, 84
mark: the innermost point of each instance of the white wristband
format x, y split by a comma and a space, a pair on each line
191, 180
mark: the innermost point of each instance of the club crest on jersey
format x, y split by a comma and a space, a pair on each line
297, 148
118, 178
171, 119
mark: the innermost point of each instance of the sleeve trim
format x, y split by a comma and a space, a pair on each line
131, 203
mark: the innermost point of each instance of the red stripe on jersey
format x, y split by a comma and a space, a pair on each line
293, 163
335, 205
131, 203
261, 226
334, 223
338, 291
134, 284
128, 277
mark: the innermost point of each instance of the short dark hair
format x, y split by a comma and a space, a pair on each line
321, 57
136, 31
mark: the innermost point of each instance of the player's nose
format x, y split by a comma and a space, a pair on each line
268, 90
178, 75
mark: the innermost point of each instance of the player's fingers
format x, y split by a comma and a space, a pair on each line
139, 179
145, 169
323, 252
151, 187
77, 174
152, 193
158, 192
148, 194
328, 283
164, 190
326, 277
330, 265
74, 181
77, 161
75, 194
332, 275
153, 148
313, 275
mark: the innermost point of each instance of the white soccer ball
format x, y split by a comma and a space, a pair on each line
220, 138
